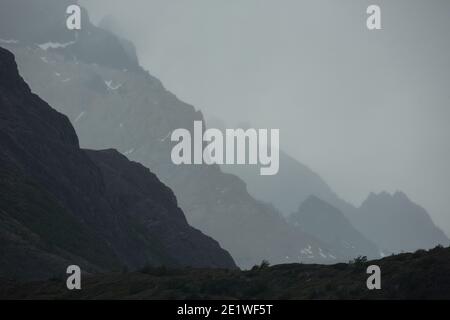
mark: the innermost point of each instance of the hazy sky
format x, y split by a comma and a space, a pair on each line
367, 110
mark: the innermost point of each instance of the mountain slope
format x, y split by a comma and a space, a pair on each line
114, 105
286, 190
397, 224
328, 224
61, 205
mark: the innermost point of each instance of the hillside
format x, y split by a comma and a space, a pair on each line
61, 205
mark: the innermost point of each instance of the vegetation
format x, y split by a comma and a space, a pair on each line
419, 275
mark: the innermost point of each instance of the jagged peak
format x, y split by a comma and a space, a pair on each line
385, 196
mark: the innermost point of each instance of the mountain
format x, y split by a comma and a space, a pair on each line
293, 184
287, 189
328, 224
420, 275
113, 102
48, 18
44, 22
397, 224
61, 205
392, 226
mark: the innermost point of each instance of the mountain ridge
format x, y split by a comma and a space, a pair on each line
398, 224
56, 196
131, 111
331, 226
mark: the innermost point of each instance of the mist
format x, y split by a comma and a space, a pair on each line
367, 110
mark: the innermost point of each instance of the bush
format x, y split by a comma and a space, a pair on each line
263, 265
360, 260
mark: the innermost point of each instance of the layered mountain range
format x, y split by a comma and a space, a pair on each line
331, 226
61, 205
114, 105
392, 222
397, 224
94, 78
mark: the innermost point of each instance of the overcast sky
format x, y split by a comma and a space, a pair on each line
367, 110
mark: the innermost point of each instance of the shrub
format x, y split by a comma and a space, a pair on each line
360, 260
263, 265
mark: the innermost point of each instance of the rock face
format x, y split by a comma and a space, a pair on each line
328, 224
61, 205
113, 103
397, 224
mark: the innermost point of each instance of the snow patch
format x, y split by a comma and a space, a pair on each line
307, 251
79, 117
8, 41
111, 86
129, 151
54, 45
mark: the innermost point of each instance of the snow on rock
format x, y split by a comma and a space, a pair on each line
79, 117
307, 251
322, 254
54, 45
8, 41
111, 86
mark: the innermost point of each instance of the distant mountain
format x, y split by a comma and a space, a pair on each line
61, 205
43, 23
47, 19
286, 190
328, 224
397, 224
392, 223
113, 104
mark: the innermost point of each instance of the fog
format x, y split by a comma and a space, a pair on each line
367, 110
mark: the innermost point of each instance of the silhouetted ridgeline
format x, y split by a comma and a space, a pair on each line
420, 275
